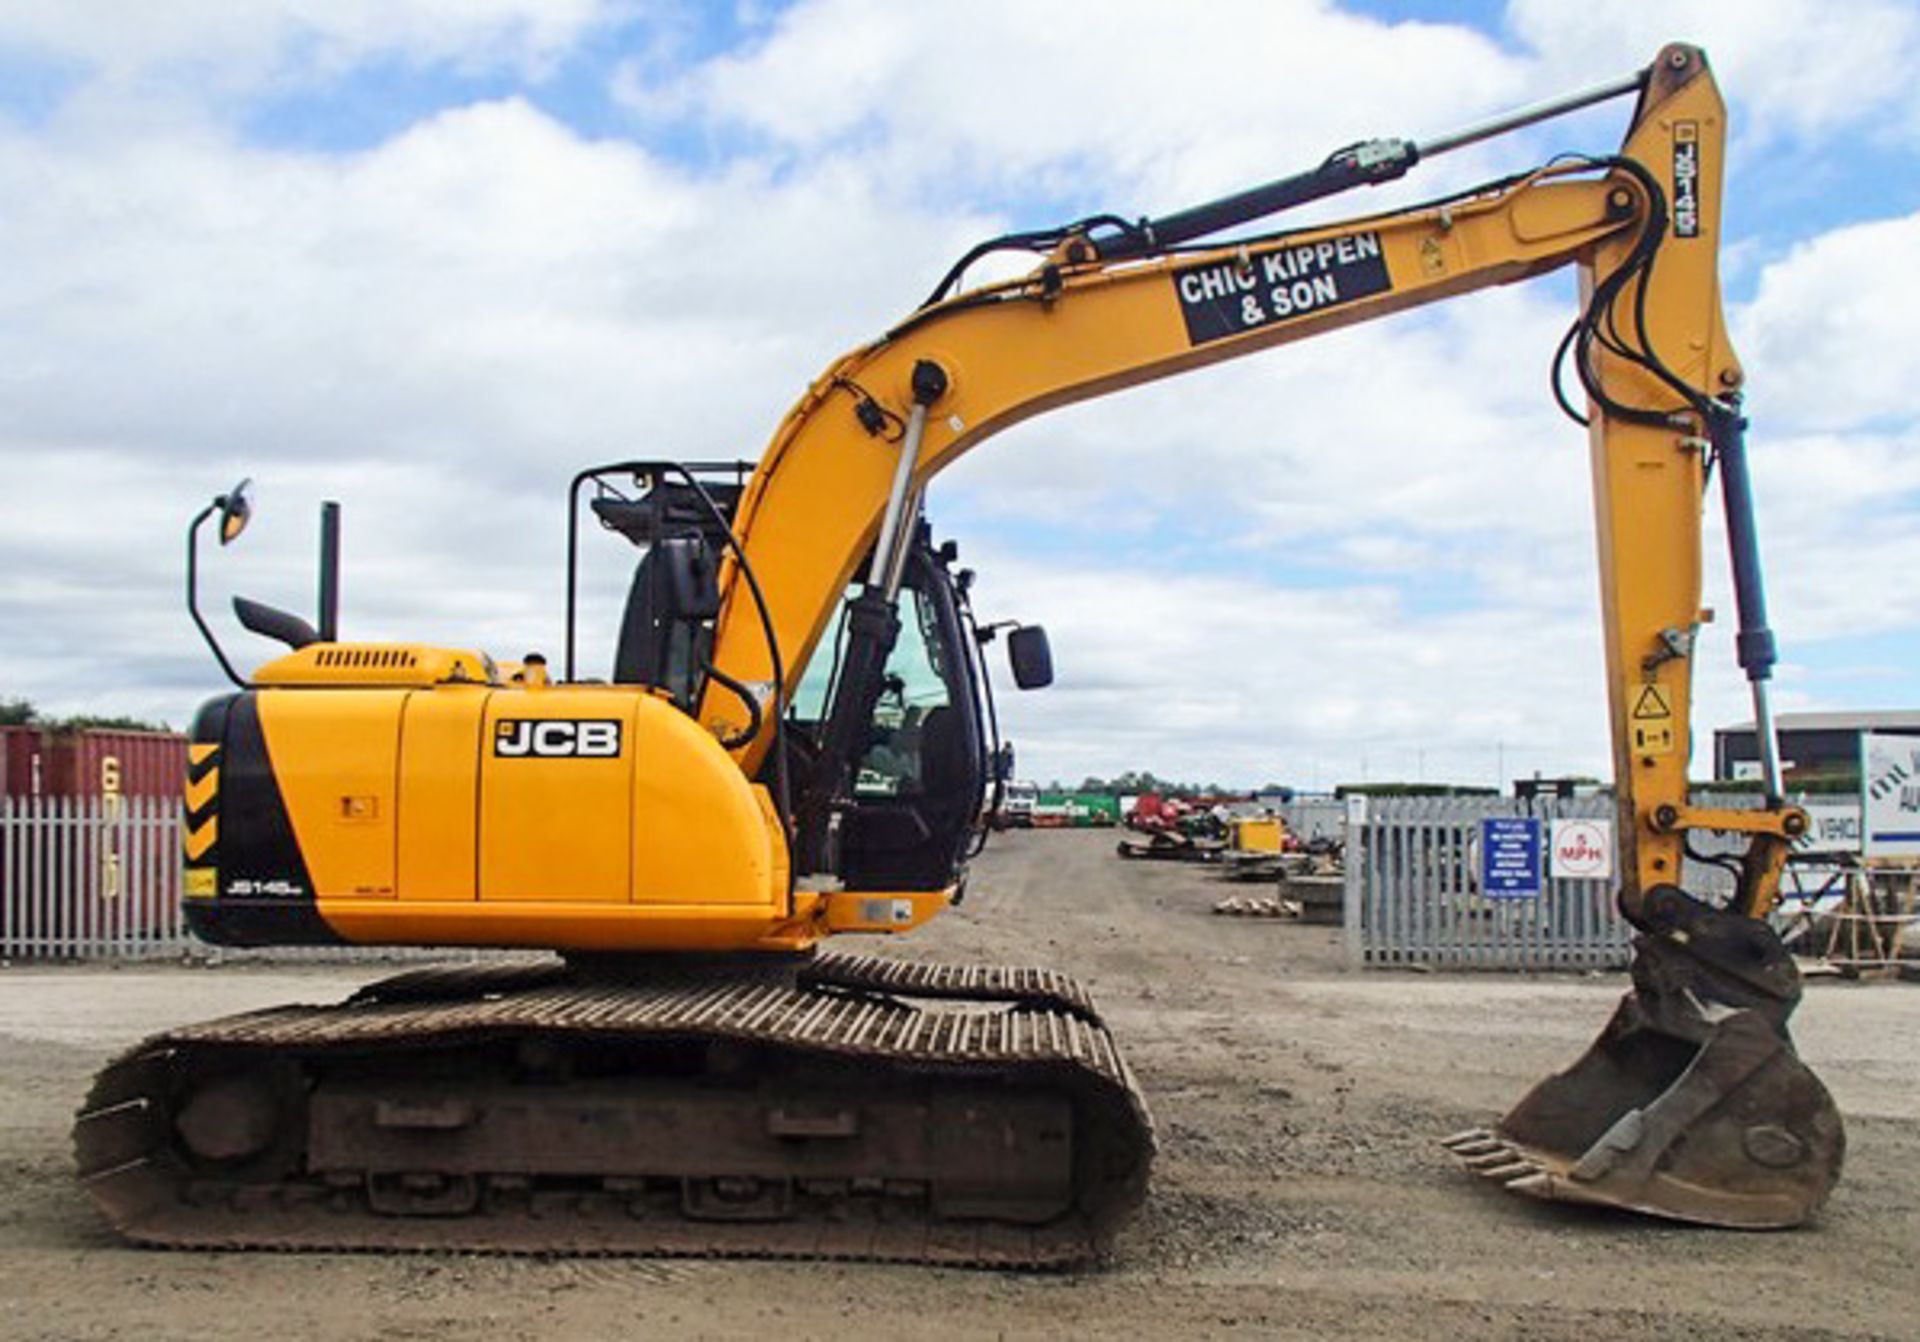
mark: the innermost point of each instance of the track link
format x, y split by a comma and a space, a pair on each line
508, 1108
1037, 989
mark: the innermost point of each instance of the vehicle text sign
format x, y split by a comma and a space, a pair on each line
1510, 857
1832, 827
1228, 298
1890, 801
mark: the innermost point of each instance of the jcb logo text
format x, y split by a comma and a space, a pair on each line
556, 738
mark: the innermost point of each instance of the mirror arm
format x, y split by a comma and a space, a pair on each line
193, 586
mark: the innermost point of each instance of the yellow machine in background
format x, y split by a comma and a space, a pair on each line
797, 741
1257, 834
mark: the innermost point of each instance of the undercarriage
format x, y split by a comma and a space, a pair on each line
846, 1107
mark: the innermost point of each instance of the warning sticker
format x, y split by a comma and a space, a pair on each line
886, 912
1651, 704
1227, 298
1653, 738
1650, 722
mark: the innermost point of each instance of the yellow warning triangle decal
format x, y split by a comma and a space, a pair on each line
1652, 703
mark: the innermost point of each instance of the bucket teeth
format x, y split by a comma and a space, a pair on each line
1536, 1185
1490, 1157
1513, 1169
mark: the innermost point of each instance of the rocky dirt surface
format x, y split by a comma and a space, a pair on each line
1299, 1191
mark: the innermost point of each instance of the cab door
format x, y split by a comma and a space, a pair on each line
917, 790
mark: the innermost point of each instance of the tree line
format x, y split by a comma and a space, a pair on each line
22, 713
1134, 782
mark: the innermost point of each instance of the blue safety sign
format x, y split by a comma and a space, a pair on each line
1510, 858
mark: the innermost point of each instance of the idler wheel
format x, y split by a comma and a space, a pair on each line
230, 1119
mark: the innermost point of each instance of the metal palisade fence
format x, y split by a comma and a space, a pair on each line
1414, 896
98, 878
1413, 891
90, 877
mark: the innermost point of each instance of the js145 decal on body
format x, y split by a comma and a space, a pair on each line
1686, 179
278, 888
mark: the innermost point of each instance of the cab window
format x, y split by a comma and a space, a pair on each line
915, 686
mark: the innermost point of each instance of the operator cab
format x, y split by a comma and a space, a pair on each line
915, 805
920, 785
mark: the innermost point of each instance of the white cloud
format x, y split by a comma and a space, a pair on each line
441, 328
438, 331
1174, 102
1795, 68
294, 41
1832, 328
1233, 677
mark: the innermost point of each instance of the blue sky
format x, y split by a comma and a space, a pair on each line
428, 257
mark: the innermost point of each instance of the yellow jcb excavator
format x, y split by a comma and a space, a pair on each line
796, 743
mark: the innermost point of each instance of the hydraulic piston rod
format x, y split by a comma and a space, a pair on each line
1368, 163
1754, 640
1532, 115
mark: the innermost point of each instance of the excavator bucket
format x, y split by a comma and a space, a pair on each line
1692, 1103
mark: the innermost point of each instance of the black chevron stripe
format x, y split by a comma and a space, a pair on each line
195, 819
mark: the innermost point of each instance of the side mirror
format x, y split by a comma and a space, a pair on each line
235, 511
1031, 657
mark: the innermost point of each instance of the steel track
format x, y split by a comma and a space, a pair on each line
973, 1032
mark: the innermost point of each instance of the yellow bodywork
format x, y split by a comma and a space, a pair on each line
418, 824
357, 664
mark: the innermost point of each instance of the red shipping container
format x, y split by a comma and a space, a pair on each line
88, 875
93, 762
21, 759
142, 764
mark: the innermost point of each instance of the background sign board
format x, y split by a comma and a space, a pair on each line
1832, 827
1582, 850
1890, 795
1510, 857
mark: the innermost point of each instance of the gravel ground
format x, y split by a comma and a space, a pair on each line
1298, 1193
